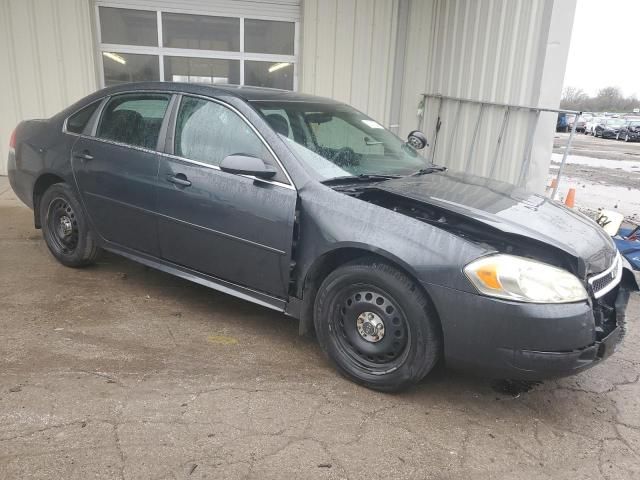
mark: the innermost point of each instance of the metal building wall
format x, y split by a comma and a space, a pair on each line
506, 51
348, 50
46, 53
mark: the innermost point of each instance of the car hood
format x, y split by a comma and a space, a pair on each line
513, 211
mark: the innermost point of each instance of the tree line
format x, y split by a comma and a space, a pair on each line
609, 99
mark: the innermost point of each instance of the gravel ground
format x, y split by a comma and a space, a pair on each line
119, 371
604, 172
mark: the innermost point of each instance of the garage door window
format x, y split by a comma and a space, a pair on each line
148, 45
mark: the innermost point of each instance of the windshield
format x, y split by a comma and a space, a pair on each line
335, 140
615, 121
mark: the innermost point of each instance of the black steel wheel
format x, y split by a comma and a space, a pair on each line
370, 327
65, 228
376, 325
62, 222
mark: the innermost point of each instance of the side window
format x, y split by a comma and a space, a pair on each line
208, 132
77, 122
134, 119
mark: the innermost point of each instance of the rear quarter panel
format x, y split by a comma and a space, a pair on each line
41, 148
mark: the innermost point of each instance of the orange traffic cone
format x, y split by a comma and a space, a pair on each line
571, 198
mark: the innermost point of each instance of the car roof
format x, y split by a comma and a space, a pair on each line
247, 93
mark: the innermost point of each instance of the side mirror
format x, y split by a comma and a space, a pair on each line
417, 140
246, 165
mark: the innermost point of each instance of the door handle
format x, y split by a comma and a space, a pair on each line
179, 179
85, 155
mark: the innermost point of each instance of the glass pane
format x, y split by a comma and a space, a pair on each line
134, 119
127, 67
269, 74
201, 70
267, 36
208, 132
78, 121
128, 27
200, 32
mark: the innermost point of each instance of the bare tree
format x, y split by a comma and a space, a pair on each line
608, 99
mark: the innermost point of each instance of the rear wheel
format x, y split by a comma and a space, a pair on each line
65, 227
376, 325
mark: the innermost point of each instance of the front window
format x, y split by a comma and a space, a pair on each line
334, 140
615, 122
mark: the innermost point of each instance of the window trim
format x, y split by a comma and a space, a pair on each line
170, 114
160, 51
173, 125
159, 140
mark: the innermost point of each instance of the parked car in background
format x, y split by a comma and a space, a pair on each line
306, 206
630, 131
591, 124
561, 123
608, 128
581, 123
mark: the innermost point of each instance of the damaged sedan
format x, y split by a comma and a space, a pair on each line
307, 206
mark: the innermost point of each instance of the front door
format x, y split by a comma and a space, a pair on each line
116, 170
232, 227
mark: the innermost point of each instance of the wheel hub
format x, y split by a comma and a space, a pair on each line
370, 327
66, 226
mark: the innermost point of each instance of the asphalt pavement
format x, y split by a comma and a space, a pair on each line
119, 371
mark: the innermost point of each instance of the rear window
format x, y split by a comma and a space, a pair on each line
77, 123
134, 119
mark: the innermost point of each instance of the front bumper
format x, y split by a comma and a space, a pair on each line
609, 134
510, 340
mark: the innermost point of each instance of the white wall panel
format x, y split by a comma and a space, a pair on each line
348, 52
46, 53
490, 50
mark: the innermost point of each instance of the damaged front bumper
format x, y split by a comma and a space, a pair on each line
534, 342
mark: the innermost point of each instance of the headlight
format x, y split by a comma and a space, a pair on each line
524, 280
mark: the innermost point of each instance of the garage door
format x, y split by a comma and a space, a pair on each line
219, 41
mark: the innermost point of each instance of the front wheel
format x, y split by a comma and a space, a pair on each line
65, 227
377, 326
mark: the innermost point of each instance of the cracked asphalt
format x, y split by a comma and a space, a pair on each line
119, 371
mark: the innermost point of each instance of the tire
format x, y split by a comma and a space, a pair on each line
65, 227
351, 304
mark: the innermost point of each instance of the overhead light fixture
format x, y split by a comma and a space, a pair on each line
115, 57
278, 66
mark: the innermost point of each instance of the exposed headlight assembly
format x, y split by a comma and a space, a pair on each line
524, 280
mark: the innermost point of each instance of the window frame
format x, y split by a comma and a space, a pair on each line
170, 137
107, 100
161, 51
164, 146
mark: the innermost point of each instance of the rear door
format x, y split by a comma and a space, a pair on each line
116, 170
233, 227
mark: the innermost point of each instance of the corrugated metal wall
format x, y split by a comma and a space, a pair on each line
348, 51
492, 50
46, 50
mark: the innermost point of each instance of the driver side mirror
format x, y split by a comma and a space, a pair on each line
247, 165
417, 140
